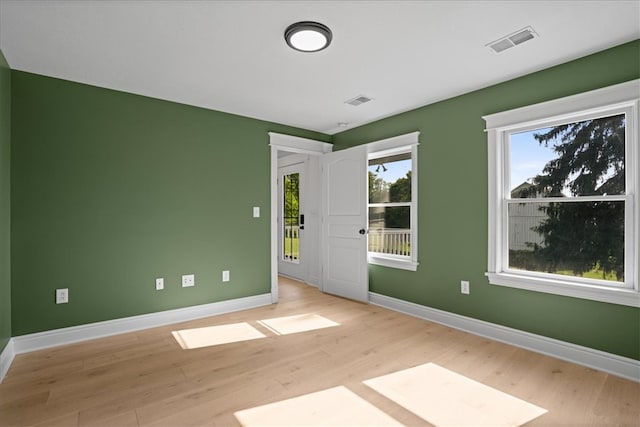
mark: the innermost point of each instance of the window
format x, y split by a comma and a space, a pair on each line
392, 208
563, 196
291, 218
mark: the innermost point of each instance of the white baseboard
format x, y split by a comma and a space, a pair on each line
6, 357
74, 334
313, 281
611, 363
606, 362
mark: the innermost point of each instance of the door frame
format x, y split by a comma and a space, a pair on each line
293, 144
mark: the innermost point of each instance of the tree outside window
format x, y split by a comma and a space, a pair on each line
567, 218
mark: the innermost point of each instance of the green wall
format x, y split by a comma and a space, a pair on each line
111, 190
5, 203
453, 209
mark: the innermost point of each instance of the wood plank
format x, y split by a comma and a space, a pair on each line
146, 378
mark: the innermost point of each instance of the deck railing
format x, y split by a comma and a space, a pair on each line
291, 247
394, 241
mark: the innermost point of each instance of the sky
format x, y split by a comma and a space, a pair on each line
394, 171
528, 157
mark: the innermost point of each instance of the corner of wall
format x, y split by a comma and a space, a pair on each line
5, 215
6, 358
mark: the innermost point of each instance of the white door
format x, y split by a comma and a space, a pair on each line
291, 222
344, 179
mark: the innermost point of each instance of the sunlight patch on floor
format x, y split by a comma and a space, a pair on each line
216, 335
336, 406
445, 398
299, 323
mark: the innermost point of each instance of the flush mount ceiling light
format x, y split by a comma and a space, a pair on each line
308, 36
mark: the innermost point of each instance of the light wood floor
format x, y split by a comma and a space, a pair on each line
146, 378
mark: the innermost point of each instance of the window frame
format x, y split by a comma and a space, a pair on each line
407, 143
624, 97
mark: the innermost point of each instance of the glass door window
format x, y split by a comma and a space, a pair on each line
291, 218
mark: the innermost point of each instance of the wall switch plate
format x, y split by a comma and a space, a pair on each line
62, 296
225, 276
159, 284
188, 280
464, 287
256, 212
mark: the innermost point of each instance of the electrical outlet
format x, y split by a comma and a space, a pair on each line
62, 296
464, 287
256, 211
225, 276
159, 283
188, 280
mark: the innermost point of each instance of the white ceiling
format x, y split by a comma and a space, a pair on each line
231, 56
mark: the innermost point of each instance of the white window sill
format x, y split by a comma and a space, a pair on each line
622, 296
400, 263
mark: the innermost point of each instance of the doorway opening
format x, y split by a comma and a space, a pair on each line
295, 223
293, 242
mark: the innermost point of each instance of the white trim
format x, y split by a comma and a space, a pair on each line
595, 99
607, 362
387, 147
295, 144
617, 99
388, 261
394, 142
622, 296
6, 358
74, 334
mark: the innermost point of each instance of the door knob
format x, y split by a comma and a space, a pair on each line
362, 231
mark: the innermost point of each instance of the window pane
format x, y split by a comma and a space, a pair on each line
577, 159
584, 239
389, 230
390, 179
291, 209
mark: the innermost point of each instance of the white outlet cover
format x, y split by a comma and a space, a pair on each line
256, 211
188, 280
62, 296
464, 287
225, 276
159, 283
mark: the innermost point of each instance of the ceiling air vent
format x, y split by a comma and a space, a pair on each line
512, 40
360, 99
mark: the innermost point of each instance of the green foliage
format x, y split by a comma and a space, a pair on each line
583, 235
400, 191
292, 248
381, 191
378, 189
291, 198
399, 216
527, 260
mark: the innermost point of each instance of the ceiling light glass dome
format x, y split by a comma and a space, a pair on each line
308, 36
